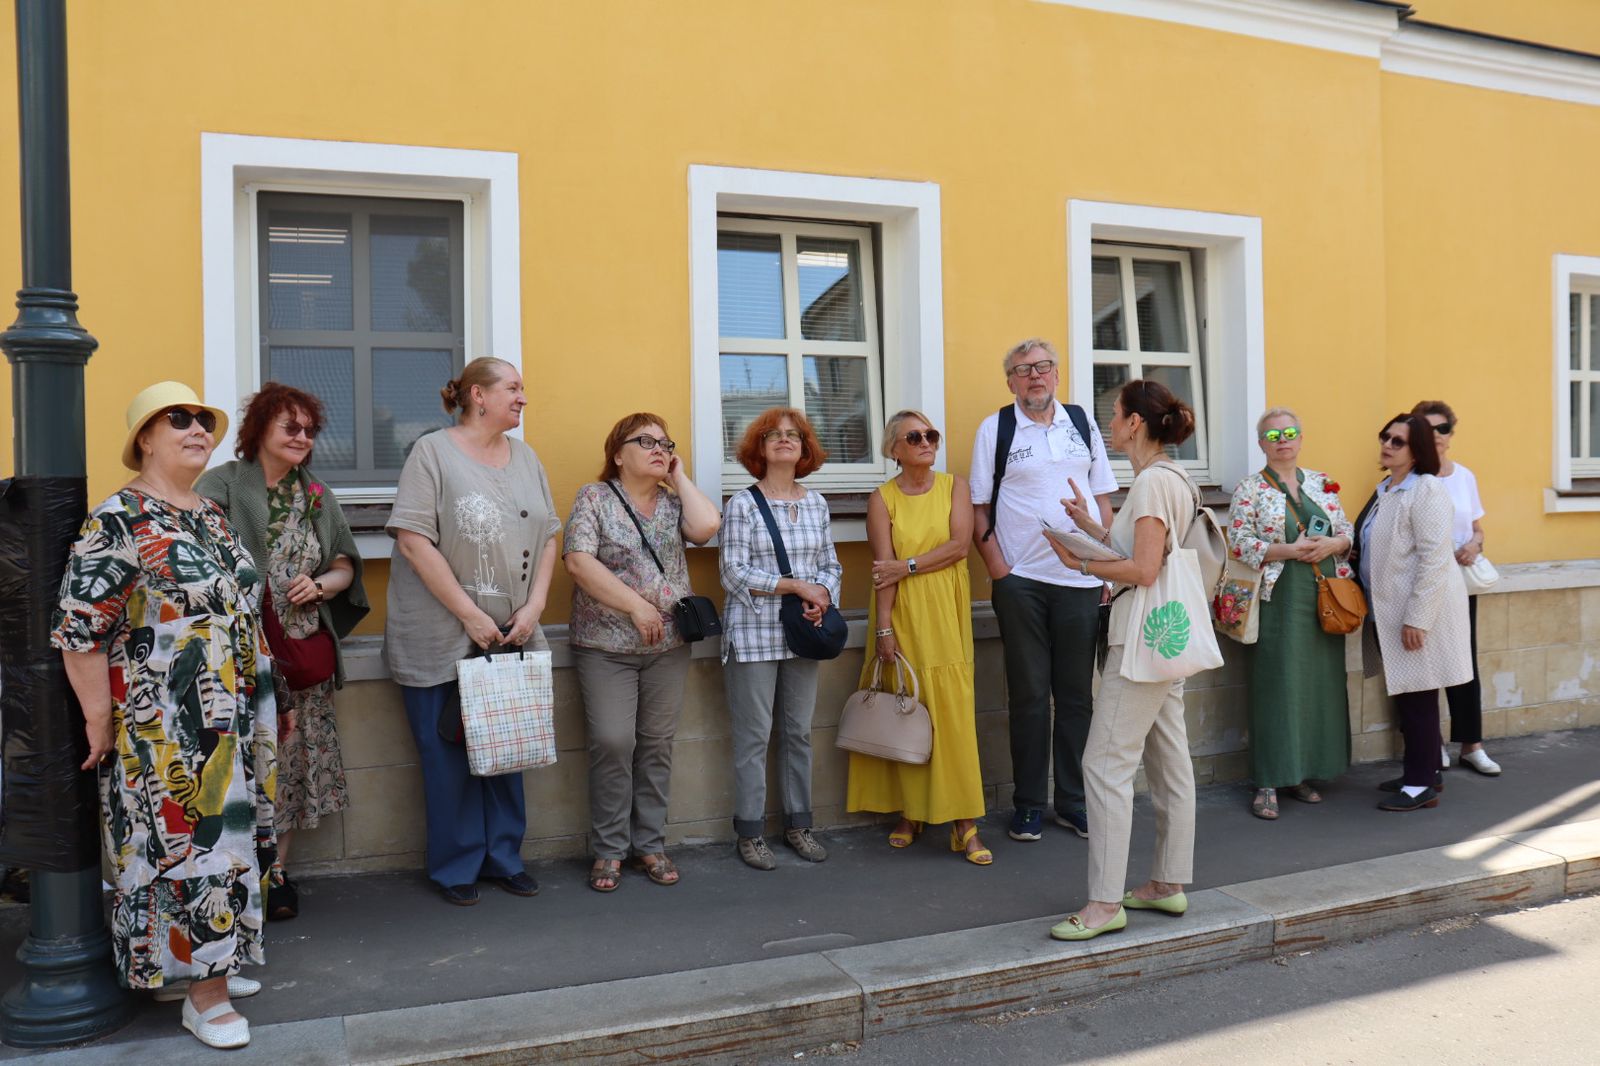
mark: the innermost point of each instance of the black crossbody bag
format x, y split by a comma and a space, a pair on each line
805, 639
696, 616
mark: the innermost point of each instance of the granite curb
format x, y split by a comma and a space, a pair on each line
744, 1011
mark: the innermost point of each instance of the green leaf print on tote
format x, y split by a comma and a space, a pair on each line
1166, 630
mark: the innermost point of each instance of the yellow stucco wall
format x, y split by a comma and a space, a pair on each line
1408, 226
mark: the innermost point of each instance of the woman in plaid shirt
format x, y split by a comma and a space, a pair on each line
779, 446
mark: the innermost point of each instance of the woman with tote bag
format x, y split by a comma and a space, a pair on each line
1141, 717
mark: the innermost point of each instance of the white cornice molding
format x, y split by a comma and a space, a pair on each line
1485, 63
1347, 26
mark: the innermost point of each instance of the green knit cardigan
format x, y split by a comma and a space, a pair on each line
241, 488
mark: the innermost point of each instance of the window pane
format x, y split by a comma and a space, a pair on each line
329, 374
1158, 285
1179, 380
1574, 336
750, 385
405, 400
749, 285
1108, 306
1108, 381
410, 274
1593, 362
836, 403
1594, 420
830, 290
308, 270
1576, 418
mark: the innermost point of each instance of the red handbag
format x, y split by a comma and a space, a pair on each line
304, 661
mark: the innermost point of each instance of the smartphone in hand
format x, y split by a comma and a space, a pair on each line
1319, 527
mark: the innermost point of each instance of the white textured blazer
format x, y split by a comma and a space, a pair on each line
1416, 582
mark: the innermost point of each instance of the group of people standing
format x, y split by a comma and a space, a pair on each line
186, 583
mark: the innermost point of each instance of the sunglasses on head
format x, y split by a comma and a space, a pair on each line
1273, 436
915, 437
1394, 440
182, 418
294, 429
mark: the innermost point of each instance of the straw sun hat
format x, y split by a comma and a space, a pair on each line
151, 402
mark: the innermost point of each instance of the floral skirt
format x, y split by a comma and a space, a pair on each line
310, 767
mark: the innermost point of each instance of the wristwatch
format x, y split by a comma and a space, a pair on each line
322, 593
1083, 567
911, 565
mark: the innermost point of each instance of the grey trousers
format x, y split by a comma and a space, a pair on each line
755, 692
631, 705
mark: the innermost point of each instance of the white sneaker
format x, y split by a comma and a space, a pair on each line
231, 1034
1444, 757
1479, 760
239, 987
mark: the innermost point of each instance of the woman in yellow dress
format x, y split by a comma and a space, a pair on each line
920, 527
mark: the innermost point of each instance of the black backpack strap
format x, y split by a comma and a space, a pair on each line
772, 528
1005, 431
1080, 422
637, 525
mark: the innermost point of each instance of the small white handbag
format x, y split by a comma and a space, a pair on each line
1480, 576
507, 711
891, 725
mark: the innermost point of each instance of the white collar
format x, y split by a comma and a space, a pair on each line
1407, 482
1058, 416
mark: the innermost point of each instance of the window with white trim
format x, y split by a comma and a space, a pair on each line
1582, 373
798, 325
1146, 326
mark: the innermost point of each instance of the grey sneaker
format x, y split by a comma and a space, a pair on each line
754, 852
805, 845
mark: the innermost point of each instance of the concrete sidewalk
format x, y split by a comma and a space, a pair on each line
733, 963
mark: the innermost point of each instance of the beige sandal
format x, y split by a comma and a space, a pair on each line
605, 875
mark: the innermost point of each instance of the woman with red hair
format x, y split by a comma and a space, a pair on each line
759, 670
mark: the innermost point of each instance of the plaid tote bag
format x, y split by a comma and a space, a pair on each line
507, 711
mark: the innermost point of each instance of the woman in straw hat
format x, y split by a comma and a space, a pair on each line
157, 625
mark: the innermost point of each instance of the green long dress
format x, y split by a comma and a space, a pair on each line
1299, 710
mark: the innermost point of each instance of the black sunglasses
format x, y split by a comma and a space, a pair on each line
1393, 439
1444, 428
915, 437
294, 429
182, 418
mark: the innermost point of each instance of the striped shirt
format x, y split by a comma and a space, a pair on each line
752, 631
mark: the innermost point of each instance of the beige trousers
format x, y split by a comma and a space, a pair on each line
1133, 718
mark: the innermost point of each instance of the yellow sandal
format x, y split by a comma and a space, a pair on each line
958, 842
899, 839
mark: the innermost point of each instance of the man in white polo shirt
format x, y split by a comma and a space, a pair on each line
1048, 614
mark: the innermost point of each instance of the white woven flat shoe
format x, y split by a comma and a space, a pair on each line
238, 988
1479, 760
232, 1034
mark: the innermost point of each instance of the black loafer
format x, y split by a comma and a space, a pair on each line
283, 901
1394, 786
1402, 802
460, 895
518, 884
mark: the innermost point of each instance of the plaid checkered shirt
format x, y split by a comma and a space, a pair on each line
749, 565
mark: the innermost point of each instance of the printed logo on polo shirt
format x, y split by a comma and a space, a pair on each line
1019, 454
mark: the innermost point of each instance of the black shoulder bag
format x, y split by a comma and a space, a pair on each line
1005, 432
824, 640
696, 616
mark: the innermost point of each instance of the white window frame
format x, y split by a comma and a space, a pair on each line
1136, 359
1232, 314
235, 167
794, 347
910, 317
1572, 274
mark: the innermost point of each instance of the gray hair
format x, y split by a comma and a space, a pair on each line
891, 428
1024, 347
1271, 413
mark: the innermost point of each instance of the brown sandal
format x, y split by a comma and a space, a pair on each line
1265, 804
662, 872
1305, 793
605, 875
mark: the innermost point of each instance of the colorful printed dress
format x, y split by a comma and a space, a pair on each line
170, 596
310, 768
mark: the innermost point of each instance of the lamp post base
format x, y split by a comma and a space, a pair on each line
69, 991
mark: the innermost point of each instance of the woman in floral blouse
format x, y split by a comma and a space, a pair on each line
293, 526
630, 658
157, 628
1287, 522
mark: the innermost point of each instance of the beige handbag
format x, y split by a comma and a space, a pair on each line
891, 725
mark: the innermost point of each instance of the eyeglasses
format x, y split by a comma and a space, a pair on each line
915, 437
780, 434
1041, 368
1273, 436
294, 429
182, 418
650, 444
1444, 429
1393, 440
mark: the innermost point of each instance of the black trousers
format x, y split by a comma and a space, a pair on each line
1419, 726
1466, 699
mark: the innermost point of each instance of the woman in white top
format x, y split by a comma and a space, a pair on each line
1466, 700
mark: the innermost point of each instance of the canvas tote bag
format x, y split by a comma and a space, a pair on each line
1169, 634
507, 711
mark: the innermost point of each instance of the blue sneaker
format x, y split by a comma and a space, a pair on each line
1026, 825
1077, 821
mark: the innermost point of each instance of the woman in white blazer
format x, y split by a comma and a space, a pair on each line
1417, 629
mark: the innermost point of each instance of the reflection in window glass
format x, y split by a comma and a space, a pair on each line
405, 402
1108, 306
749, 285
1179, 380
1108, 381
830, 290
1158, 284
411, 274
329, 375
836, 404
308, 270
750, 385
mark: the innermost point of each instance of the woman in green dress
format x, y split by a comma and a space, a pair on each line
1286, 521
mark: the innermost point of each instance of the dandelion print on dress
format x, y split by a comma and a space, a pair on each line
481, 521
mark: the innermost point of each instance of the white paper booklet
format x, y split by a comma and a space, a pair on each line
1081, 544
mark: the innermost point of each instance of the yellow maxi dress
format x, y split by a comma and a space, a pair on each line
932, 621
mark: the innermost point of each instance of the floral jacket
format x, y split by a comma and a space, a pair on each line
1256, 519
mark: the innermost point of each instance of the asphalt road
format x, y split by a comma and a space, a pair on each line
1508, 990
